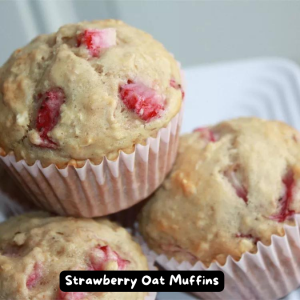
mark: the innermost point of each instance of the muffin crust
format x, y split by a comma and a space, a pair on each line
233, 185
35, 248
85, 92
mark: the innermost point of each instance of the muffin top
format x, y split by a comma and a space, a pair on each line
233, 185
35, 248
85, 92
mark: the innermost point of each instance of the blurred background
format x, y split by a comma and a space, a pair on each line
195, 31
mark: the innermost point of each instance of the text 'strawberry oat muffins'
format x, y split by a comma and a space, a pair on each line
89, 117
35, 248
234, 190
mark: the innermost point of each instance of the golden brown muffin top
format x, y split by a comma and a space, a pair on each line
35, 248
85, 92
232, 185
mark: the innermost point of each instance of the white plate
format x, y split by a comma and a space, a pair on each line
267, 88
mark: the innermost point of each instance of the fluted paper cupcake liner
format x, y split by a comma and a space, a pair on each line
99, 190
271, 273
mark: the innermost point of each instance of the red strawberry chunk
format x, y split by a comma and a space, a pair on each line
34, 276
248, 236
48, 114
287, 198
177, 86
141, 99
71, 295
97, 39
104, 254
207, 134
235, 180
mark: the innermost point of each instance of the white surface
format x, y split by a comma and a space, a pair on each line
268, 88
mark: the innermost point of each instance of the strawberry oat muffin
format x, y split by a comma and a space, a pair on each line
233, 185
87, 91
35, 248
93, 113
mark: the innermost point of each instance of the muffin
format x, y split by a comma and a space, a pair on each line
92, 113
233, 188
36, 247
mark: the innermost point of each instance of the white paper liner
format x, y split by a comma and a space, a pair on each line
271, 273
99, 190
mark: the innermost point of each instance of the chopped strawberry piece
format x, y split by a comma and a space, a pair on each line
248, 236
34, 276
235, 180
48, 114
71, 295
97, 39
207, 134
141, 99
177, 86
287, 198
102, 255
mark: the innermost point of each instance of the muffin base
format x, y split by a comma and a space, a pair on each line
271, 273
